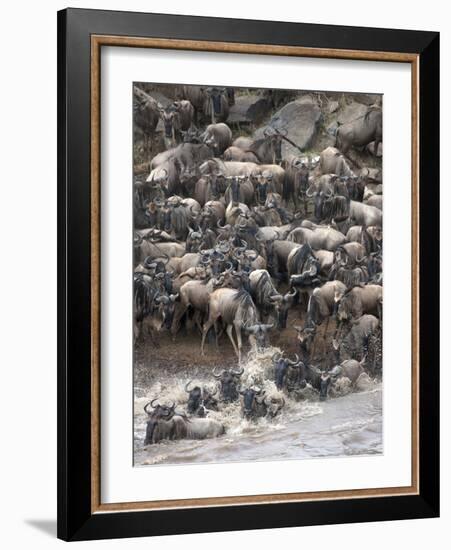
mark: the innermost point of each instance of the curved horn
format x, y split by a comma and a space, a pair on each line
309, 194
295, 361
276, 357
152, 405
360, 260
187, 386
217, 375
147, 405
292, 294
137, 239
236, 372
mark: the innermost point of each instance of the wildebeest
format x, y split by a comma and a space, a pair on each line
229, 380
333, 162
257, 405
237, 154
200, 400
176, 118
361, 131
188, 154
218, 137
359, 300
267, 149
145, 246
321, 306
285, 370
322, 238
354, 344
268, 300
350, 368
153, 308
145, 115
364, 214
165, 423
236, 309
216, 104
297, 172
239, 190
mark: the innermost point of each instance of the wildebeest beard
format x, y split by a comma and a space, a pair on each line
216, 100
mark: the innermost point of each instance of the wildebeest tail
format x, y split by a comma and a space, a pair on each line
287, 187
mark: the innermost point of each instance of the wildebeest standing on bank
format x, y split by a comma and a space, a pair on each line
218, 137
177, 118
236, 309
361, 131
216, 104
145, 116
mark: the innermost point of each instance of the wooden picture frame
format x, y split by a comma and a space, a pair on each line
81, 35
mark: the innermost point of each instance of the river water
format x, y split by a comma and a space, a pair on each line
348, 424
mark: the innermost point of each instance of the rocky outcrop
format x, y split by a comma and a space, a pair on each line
300, 120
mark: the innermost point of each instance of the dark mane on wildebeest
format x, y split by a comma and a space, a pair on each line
245, 305
335, 208
302, 260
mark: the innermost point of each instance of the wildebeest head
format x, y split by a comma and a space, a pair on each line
374, 264
261, 189
345, 307
273, 144
216, 96
301, 178
171, 120
235, 186
281, 366
194, 239
245, 258
194, 398
253, 402
305, 336
165, 308
229, 380
282, 303
214, 258
192, 135
208, 398
158, 416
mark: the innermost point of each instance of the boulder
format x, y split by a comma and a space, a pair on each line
300, 120
249, 108
352, 112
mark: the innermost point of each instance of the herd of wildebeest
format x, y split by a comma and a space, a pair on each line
232, 236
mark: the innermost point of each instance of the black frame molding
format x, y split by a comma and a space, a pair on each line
75, 519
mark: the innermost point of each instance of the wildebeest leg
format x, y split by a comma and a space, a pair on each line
152, 338
229, 330
136, 332
325, 330
181, 310
217, 335
207, 326
238, 338
312, 351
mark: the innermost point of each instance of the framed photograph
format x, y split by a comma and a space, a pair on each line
248, 274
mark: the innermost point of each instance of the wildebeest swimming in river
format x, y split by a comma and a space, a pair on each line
165, 423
